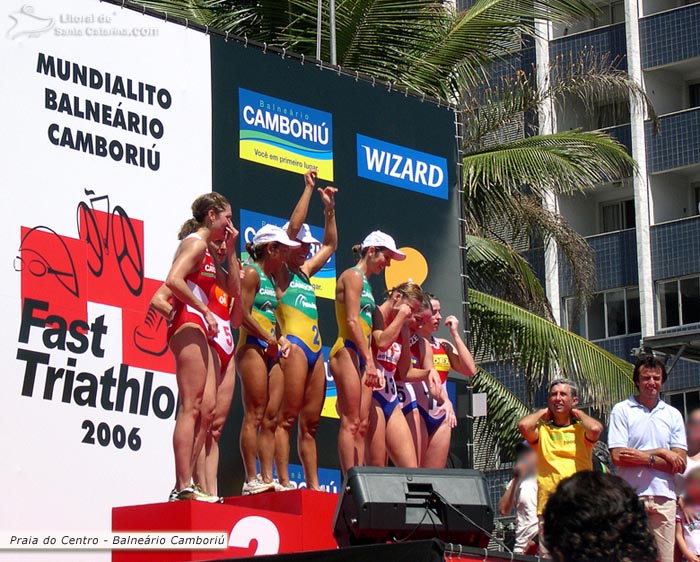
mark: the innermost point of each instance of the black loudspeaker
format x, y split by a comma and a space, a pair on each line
391, 504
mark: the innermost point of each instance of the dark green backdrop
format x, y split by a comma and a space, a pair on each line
426, 223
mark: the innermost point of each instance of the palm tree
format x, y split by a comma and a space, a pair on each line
425, 46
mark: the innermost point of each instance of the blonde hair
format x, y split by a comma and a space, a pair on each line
408, 290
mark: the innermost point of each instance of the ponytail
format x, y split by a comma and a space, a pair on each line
358, 252
252, 251
190, 226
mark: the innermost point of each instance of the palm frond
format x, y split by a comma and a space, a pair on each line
498, 268
564, 162
461, 50
591, 79
238, 18
544, 350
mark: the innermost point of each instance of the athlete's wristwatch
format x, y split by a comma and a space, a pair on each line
652, 458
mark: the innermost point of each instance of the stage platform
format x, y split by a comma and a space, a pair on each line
272, 523
293, 526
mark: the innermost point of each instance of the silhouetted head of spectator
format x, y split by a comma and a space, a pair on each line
597, 517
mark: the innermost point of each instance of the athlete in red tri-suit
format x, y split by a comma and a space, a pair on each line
191, 279
436, 412
227, 313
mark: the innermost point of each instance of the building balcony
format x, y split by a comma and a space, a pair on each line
622, 134
670, 37
608, 40
675, 248
677, 144
615, 256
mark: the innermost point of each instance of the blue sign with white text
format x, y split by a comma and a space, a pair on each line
402, 167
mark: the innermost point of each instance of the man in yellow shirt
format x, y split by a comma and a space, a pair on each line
562, 436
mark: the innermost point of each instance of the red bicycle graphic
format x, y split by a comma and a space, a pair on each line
119, 236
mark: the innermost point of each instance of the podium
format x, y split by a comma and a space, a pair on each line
265, 524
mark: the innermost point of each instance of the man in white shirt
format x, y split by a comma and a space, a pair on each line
521, 494
648, 445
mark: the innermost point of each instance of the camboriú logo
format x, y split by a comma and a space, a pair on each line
402, 167
285, 135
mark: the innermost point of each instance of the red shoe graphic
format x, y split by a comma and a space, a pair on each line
151, 336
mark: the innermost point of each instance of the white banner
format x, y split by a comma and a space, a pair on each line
106, 140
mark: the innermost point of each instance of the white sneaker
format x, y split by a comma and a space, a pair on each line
202, 496
257, 486
280, 488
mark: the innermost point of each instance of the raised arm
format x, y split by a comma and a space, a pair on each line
461, 359
592, 427
384, 336
507, 501
330, 234
302, 207
229, 278
188, 260
528, 425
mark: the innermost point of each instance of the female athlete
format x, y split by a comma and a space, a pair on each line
191, 279
304, 372
258, 354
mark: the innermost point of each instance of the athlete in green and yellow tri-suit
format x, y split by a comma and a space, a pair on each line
258, 353
263, 311
367, 307
304, 373
352, 363
298, 316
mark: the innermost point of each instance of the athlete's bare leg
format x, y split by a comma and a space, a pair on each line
399, 443
354, 400
438, 447
252, 369
193, 363
266, 436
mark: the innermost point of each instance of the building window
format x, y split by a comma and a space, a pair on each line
618, 215
678, 301
694, 95
685, 402
608, 315
609, 14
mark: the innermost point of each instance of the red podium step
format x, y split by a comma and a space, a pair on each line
272, 523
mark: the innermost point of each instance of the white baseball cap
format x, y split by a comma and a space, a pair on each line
379, 239
271, 233
304, 236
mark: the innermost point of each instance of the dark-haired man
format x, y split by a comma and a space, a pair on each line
648, 445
